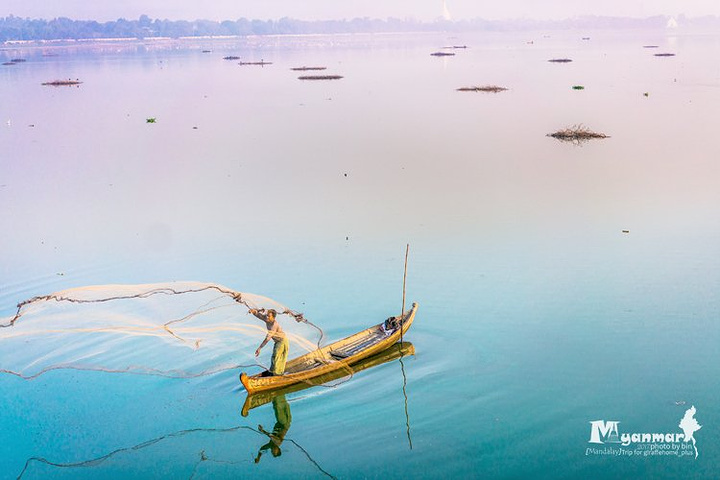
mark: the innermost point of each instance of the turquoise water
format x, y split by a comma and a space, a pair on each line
538, 314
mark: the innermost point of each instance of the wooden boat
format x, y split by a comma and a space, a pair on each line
393, 352
336, 356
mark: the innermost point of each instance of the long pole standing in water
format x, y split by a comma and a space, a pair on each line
402, 365
407, 250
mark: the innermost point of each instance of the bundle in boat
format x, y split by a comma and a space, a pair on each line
485, 88
576, 134
320, 77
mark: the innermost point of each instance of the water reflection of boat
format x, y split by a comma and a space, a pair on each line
395, 351
336, 356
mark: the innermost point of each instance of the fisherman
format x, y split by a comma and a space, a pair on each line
274, 332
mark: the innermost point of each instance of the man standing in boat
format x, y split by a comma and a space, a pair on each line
274, 332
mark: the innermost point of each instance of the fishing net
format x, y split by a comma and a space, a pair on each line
179, 329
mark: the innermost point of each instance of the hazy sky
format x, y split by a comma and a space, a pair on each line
337, 9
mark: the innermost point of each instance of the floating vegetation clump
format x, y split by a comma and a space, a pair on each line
486, 88
442, 54
560, 60
63, 83
305, 69
151, 120
664, 54
576, 134
578, 87
320, 77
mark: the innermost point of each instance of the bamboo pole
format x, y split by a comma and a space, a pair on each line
407, 250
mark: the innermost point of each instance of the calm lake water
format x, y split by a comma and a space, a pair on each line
557, 284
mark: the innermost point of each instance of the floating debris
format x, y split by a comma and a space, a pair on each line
560, 60
63, 83
647, 94
578, 87
626, 231
576, 134
207, 51
442, 54
586, 38
320, 77
305, 69
664, 54
231, 57
261, 63
150, 120
486, 88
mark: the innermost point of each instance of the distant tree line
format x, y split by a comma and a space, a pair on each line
17, 28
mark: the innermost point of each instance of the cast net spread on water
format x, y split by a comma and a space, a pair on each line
178, 329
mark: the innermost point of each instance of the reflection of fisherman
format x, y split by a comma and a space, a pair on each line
280, 350
282, 425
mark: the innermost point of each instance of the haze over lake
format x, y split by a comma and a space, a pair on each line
557, 283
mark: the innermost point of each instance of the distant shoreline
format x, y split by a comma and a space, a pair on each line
16, 30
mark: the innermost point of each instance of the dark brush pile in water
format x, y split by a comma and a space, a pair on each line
305, 69
576, 134
61, 83
320, 77
486, 88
